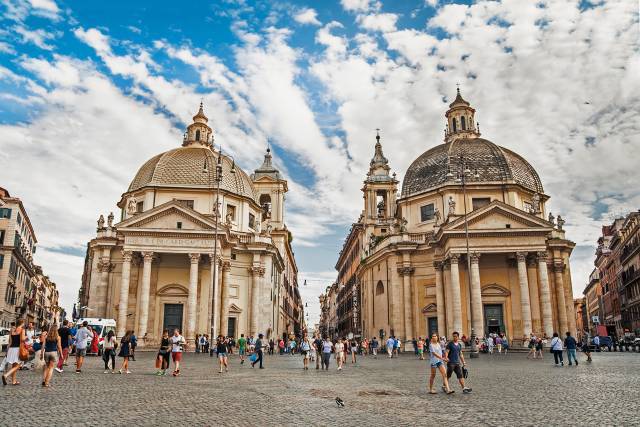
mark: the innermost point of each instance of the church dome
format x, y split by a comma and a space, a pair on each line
192, 167
493, 163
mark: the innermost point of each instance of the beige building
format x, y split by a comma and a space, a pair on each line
154, 269
25, 291
414, 276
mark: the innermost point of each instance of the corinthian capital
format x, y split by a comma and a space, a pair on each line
226, 266
126, 256
257, 271
194, 258
406, 271
147, 256
474, 257
542, 256
521, 256
454, 258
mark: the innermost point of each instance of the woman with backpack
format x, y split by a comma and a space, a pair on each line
556, 349
305, 350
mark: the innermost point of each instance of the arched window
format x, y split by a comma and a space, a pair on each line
198, 135
379, 288
455, 125
463, 122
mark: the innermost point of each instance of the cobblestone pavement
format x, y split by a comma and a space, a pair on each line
507, 390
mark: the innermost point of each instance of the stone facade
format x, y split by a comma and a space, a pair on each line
25, 292
415, 271
155, 268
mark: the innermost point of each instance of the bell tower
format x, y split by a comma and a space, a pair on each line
379, 190
271, 188
460, 120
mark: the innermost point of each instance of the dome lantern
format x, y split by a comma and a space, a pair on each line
198, 132
460, 120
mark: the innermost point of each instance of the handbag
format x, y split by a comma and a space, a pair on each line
23, 353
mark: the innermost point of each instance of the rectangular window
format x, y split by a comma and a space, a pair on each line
1, 237
179, 225
252, 221
427, 212
231, 212
5, 213
139, 207
478, 202
187, 203
17, 240
1, 261
19, 219
528, 207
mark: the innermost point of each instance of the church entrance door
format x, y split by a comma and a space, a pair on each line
494, 318
173, 317
432, 327
231, 329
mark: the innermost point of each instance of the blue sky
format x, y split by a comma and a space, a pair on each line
90, 90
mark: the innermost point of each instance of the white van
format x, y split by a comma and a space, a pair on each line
101, 326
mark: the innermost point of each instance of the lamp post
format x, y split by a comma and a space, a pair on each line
217, 212
463, 174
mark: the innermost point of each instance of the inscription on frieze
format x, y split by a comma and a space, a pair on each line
168, 241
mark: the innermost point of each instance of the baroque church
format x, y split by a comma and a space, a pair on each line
182, 257
468, 245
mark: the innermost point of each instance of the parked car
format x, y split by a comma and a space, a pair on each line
604, 342
101, 327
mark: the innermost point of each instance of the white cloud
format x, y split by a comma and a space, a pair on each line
307, 16
37, 37
384, 22
359, 5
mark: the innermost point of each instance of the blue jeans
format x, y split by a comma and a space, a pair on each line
571, 354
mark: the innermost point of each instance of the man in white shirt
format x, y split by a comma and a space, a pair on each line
82, 337
30, 332
177, 342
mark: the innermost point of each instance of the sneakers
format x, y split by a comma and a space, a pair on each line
158, 373
466, 390
78, 371
128, 372
561, 363
106, 371
58, 370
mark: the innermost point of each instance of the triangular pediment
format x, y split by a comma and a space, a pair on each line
167, 216
499, 216
234, 309
430, 308
495, 290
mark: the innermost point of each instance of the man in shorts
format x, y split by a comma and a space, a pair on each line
177, 341
242, 347
317, 345
82, 339
453, 353
420, 348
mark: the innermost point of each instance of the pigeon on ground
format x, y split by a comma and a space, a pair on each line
339, 402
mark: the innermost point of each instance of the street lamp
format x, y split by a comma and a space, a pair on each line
218, 178
463, 175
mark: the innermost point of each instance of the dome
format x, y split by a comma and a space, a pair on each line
192, 166
493, 163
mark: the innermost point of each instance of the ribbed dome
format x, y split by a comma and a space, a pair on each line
493, 163
192, 167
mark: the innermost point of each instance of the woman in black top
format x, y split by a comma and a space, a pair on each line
222, 347
17, 337
162, 360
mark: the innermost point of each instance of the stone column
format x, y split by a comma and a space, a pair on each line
534, 298
439, 299
143, 295
257, 272
123, 304
104, 265
226, 279
406, 272
447, 298
545, 295
558, 269
525, 304
214, 307
455, 293
568, 299
477, 315
192, 298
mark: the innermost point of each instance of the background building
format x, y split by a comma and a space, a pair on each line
593, 302
415, 270
25, 291
154, 269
